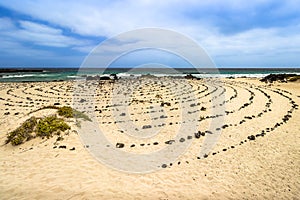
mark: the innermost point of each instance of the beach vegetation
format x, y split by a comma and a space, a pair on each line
34, 127
50, 125
68, 112
45, 127
22, 133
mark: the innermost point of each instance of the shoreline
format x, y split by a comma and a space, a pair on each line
41, 75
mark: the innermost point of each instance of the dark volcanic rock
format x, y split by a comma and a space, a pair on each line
72, 149
105, 78
251, 137
164, 166
280, 77
146, 126
197, 135
190, 76
120, 145
170, 141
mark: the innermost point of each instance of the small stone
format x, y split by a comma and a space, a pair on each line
169, 141
120, 145
72, 149
197, 135
164, 166
181, 140
251, 137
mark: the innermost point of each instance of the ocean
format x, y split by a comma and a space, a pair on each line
61, 74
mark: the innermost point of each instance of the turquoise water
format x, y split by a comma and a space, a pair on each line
60, 74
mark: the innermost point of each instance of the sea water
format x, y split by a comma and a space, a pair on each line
62, 74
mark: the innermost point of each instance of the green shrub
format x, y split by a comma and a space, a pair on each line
22, 133
49, 125
68, 112
44, 127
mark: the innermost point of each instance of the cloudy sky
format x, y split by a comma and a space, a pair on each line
235, 33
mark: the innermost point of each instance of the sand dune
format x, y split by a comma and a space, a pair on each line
256, 155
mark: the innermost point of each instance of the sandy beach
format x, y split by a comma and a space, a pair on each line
256, 155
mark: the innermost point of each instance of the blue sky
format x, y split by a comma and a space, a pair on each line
45, 33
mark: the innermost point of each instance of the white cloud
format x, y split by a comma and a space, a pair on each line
107, 18
39, 34
39, 28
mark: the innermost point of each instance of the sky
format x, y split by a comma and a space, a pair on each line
234, 33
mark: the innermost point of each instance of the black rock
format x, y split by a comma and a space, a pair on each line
105, 78
197, 135
279, 77
251, 137
169, 141
120, 145
82, 101
146, 126
72, 149
190, 76
62, 147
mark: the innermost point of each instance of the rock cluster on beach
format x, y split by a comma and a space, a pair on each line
280, 77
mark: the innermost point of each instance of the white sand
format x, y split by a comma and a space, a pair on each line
266, 168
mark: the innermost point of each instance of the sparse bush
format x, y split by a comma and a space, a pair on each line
44, 127
22, 133
49, 125
68, 112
